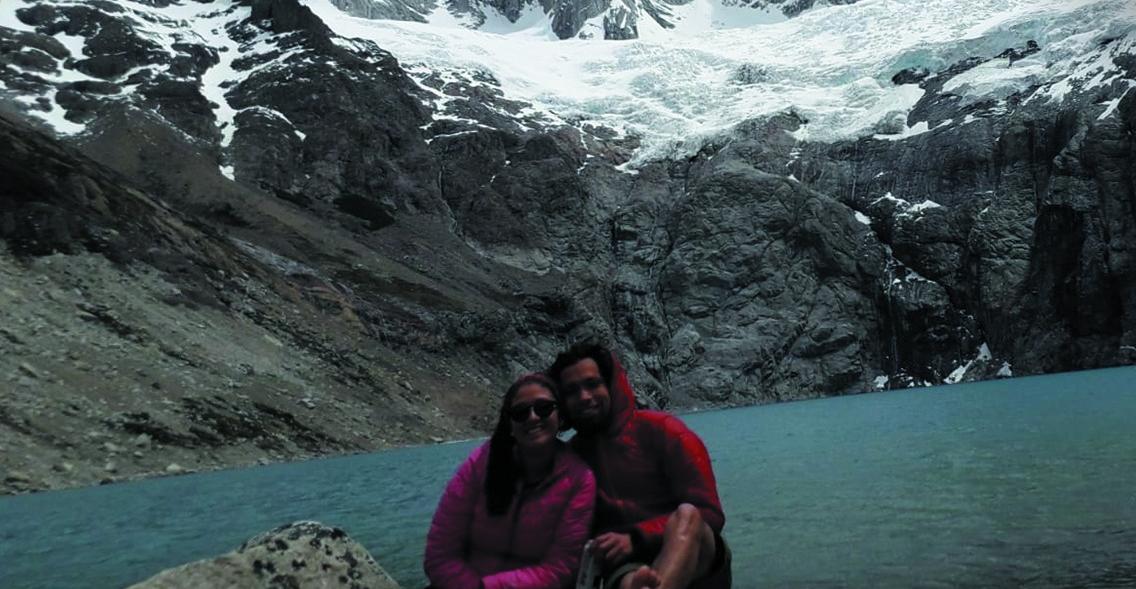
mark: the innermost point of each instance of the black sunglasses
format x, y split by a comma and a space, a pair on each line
543, 409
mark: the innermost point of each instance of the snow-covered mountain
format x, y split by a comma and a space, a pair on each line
679, 87
754, 202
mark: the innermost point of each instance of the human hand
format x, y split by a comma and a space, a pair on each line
612, 548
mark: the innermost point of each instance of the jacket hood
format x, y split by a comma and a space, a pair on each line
622, 398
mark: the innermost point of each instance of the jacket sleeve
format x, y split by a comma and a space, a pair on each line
558, 569
691, 480
445, 562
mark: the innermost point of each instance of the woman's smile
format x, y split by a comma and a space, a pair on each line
534, 415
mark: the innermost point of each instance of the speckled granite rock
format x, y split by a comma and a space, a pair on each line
299, 554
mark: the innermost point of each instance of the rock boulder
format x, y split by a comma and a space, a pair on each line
299, 554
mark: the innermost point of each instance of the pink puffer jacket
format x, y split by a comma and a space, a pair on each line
536, 544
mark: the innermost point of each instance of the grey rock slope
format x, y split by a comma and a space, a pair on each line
141, 340
388, 252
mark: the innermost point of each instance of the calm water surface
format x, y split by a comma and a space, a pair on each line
1025, 482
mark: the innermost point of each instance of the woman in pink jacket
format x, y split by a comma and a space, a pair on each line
519, 509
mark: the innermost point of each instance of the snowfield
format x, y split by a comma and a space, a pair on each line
677, 88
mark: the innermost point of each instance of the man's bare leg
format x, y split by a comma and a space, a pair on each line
687, 554
643, 578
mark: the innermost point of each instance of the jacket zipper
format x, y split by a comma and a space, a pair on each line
515, 520
521, 498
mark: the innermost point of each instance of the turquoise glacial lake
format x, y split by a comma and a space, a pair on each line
1027, 482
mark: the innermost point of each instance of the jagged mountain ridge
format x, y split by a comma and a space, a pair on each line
428, 216
586, 19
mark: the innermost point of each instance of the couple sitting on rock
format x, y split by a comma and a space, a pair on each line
518, 512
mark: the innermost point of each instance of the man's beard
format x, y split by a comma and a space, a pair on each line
590, 426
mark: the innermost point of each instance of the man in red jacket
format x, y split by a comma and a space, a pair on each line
658, 517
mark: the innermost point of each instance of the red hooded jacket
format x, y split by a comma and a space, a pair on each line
646, 463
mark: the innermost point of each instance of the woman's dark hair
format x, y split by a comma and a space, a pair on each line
582, 351
501, 476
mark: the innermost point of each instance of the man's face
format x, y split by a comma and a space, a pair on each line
586, 397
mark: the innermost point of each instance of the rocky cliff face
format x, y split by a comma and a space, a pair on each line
1030, 246
254, 239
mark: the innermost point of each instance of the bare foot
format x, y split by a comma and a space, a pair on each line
644, 578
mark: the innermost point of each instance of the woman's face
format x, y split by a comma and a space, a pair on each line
534, 416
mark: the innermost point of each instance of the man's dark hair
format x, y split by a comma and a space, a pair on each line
582, 351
